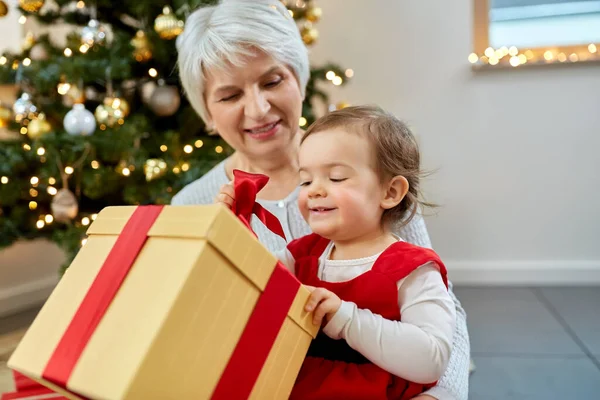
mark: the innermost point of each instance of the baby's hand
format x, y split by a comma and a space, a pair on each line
324, 303
226, 195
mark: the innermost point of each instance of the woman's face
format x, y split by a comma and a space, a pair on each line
255, 108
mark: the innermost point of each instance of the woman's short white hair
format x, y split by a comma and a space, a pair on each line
226, 32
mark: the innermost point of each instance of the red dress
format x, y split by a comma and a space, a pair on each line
332, 369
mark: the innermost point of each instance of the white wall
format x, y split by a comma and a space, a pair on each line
517, 150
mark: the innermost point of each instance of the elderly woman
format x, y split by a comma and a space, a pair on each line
244, 69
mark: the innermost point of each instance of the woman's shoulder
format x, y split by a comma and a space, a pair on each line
204, 189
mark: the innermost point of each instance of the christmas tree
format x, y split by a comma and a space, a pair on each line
102, 120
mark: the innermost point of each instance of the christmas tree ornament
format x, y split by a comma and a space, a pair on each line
64, 206
38, 52
342, 104
314, 13
3, 8
154, 168
146, 91
31, 5
28, 41
93, 33
112, 110
79, 121
165, 100
309, 34
24, 107
74, 95
141, 45
167, 25
38, 127
5, 116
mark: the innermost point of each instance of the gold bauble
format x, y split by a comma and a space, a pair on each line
38, 127
5, 115
142, 50
31, 5
313, 14
165, 100
111, 111
28, 42
3, 8
154, 168
64, 206
167, 25
309, 34
73, 96
342, 104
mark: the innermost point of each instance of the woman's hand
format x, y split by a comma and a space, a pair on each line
226, 195
324, 303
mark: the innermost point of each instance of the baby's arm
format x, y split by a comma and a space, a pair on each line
286, 258
417, 348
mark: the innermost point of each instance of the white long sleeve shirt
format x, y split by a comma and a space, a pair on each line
418, 347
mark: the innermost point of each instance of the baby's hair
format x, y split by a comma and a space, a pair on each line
395, 148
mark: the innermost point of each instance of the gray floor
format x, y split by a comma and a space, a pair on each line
534, 343
527, 343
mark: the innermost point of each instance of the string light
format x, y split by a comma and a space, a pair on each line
34, 180
27, 62
69, 170
3, 60
51, 181
48, 218
198, 143
84, 48
163, 148
302, 121
152, 72
218, 149
80, 4
83, 241
95, 164
52, 190
40, 224
32, 205
337, 81
85, 221
26, 147
68, 52
94, 216
22, 19
23, 130
349, 73
33, 192
514, 57
188, 148
4, 180
126, 171
185, 167
41, 151
330, 75
176, 170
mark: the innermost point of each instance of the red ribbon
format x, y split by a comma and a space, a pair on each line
268, 316
246, 187
100, 295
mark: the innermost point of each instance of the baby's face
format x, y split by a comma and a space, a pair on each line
340, 195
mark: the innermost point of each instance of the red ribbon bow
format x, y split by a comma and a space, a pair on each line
246, 186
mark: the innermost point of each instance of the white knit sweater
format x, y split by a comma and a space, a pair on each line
454, 384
